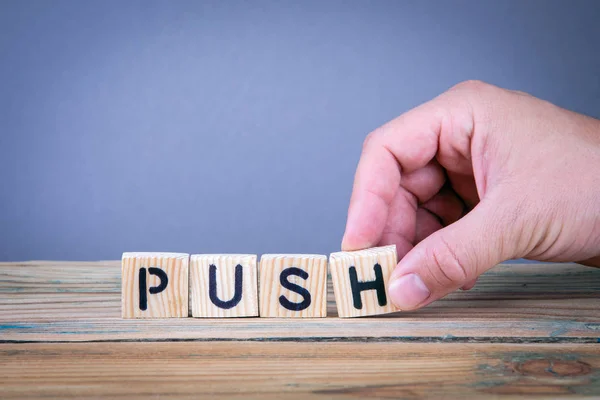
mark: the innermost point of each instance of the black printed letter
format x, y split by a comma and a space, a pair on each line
358, 287
164, 281
285, 303
212, 288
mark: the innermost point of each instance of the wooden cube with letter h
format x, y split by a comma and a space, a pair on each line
360, 280
223, 285
154, 285
293, 285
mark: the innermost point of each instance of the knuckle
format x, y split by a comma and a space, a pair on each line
447, 268
481, 99
368, 140
521, 93
472, 85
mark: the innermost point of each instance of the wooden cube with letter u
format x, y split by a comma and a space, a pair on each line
154, 285
360, 280
223, 285
293, 285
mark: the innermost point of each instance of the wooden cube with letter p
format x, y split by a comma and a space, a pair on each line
154, 285
293, 285
360, 280
223, 285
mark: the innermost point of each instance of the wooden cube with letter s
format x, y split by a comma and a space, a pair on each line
360, 280
293, 285
154, 285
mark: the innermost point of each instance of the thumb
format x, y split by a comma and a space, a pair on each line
453, 256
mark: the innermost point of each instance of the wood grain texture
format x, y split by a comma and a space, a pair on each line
470, 344
172, 302
364, 262
80, 301
271, 267
226, 264
220, 370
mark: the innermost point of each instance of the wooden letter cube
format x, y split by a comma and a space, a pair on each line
223, 285
154, 285
360, 280
293, 285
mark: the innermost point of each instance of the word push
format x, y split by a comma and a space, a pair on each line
175, 285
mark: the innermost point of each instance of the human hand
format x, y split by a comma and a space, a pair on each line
477, 176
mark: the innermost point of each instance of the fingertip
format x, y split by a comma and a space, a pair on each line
346, 243
353, 241
408, 292
366, 219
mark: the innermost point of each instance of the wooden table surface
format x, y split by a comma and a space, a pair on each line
525, 329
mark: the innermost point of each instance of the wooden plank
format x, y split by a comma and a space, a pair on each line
77, 301
297, 370
332, 329
60, 277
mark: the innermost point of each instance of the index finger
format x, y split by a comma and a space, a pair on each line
403, 145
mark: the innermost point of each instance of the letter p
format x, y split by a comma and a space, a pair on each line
164, 281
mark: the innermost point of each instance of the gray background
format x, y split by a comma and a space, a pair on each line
236, 126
